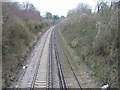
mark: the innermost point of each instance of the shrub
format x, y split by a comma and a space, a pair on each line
97, 40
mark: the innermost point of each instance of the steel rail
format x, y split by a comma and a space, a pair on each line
50, 79
64, 49
60, 71
38, 64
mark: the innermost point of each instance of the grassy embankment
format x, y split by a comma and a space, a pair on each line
21, 29
94, 37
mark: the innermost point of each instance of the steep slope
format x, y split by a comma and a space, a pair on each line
21, 29
94, 37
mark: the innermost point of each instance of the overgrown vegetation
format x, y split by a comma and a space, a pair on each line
94, 37
22, 25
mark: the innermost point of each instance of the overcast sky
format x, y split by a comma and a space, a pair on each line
58, 7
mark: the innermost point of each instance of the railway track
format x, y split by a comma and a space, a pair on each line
67, 58
72, 70
36, 71
43, 74
50, 64
48, 82
60, 71
34, 76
